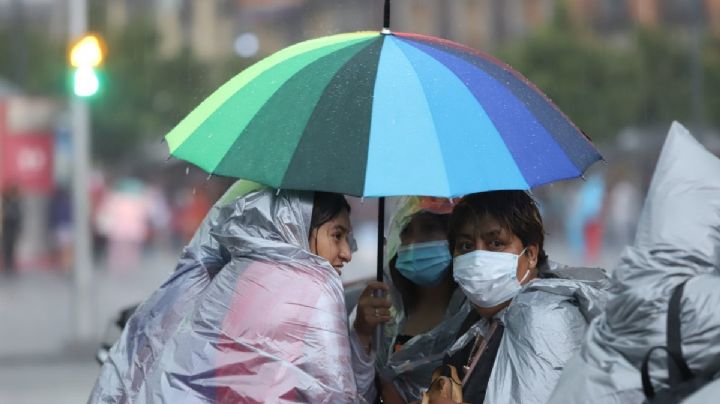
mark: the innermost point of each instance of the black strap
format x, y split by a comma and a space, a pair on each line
673, 361
677, 367
678, 370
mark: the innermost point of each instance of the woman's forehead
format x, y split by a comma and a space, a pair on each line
482, 226
423, 223
344, 219
341, 220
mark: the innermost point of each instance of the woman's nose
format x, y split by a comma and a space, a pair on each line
345, 252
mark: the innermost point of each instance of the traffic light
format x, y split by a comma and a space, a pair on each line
86, 55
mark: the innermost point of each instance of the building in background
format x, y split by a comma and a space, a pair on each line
210, 29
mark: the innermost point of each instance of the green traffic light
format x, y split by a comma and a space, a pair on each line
85, 81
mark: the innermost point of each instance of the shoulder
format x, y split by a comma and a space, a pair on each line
536, 310
551, 326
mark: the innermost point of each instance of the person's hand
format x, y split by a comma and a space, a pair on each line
372, 310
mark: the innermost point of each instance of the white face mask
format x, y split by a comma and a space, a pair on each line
488, 278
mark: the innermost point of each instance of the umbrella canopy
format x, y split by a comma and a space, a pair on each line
382, 114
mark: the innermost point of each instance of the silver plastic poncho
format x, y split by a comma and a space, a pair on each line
708, 394
678, 238
410, 369
250, 315
544, 327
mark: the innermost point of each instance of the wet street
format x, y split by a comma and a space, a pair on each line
41, 360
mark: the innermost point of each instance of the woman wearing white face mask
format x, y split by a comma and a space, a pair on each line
530, 319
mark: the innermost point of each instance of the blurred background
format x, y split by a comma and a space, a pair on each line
94, 214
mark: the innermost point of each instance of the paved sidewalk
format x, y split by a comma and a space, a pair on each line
40, 359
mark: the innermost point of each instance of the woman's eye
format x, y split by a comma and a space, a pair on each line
496, 244
466, 246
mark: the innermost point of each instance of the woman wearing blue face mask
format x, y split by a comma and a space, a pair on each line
530, 315
427, 307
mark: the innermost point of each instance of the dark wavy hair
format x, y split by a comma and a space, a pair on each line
516, 211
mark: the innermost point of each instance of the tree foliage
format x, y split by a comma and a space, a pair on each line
644, 80
143, 94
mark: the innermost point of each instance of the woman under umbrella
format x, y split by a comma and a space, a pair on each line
253, 313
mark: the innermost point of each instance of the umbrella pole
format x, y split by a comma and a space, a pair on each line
380, 239
378, 337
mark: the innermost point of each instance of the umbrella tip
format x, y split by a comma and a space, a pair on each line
208, 177
386, 19
278, 192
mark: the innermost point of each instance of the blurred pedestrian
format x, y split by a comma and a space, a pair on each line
194, 206
159, 216
625, 203
62, 228
11, 225
123, 219
585, 221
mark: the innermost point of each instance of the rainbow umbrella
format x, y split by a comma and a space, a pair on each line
380, 114
371, 114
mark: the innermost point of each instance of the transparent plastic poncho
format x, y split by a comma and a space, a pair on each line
249, 315
410, 369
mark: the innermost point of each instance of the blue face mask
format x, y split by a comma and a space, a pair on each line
424, 264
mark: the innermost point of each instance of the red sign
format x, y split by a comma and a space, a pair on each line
27, 162
26, 149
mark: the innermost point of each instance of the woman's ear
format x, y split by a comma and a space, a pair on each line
532, 256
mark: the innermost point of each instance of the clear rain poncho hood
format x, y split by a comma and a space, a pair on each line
249, 315
678, 238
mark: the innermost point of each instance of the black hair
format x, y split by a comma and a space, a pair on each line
326, 206
516, 211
